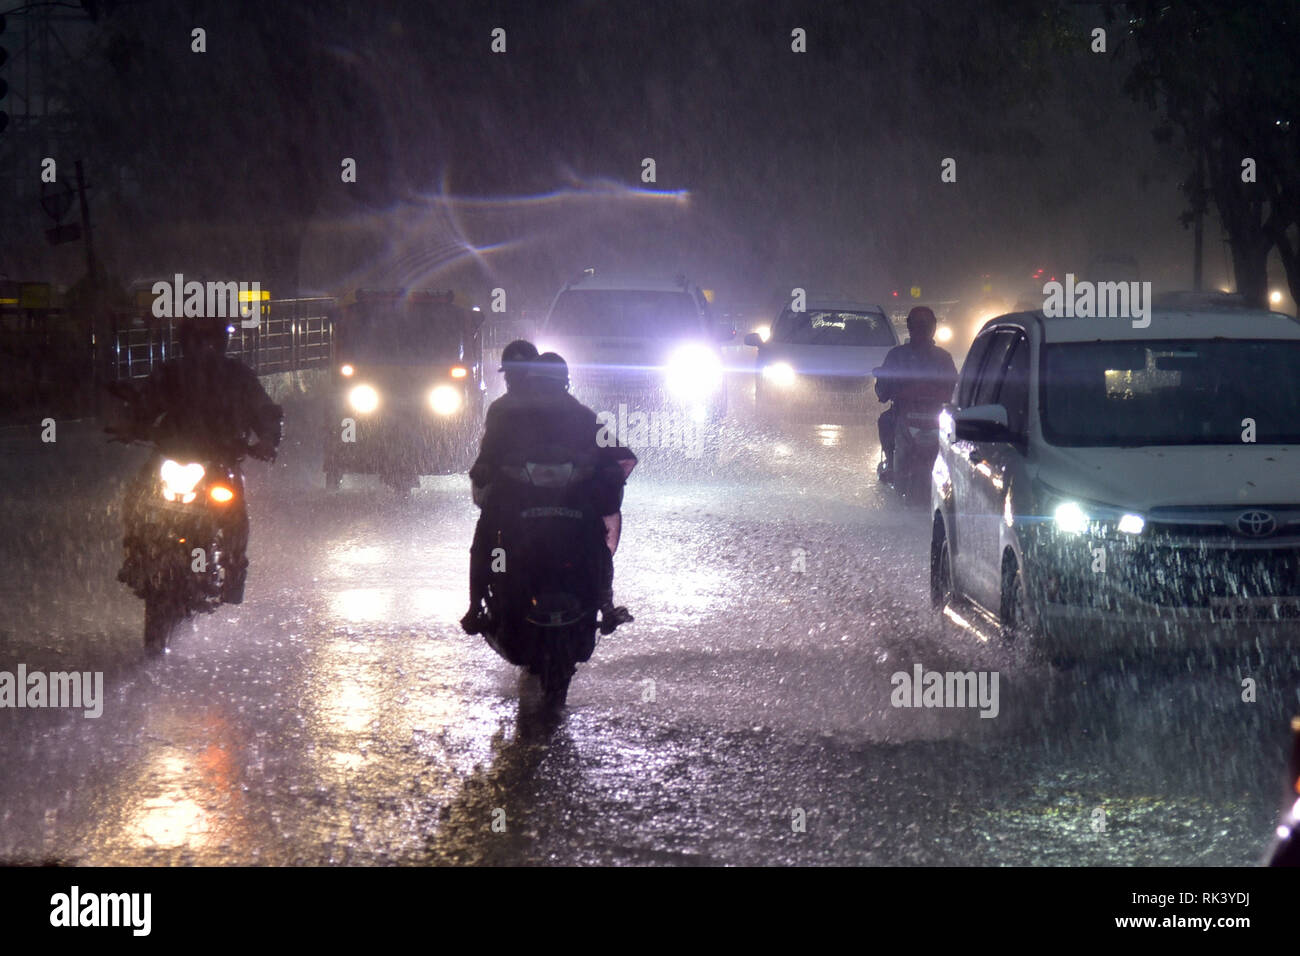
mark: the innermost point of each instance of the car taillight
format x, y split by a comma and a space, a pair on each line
220, 494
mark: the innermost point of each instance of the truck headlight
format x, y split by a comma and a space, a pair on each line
363, 399
693, 372
445, 399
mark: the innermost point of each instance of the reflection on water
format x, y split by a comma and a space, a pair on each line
831, 436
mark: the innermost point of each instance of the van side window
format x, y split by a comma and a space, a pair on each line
970, 370
1013, 394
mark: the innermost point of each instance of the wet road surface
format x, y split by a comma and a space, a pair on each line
340, 716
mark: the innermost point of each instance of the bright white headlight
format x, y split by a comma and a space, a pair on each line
693, 372
363, 399
445, 399
1132, 524
780, 373
179, 481
1071, 519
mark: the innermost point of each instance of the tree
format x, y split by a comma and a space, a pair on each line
1226, 79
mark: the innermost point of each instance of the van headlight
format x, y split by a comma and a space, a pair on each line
779, 373
693, 372
1072, 518
363, 399
445, 399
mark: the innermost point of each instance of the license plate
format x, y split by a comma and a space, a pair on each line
1257, 609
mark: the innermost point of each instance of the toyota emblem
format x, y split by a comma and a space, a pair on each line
1256, 524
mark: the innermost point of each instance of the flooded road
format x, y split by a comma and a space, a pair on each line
340, 716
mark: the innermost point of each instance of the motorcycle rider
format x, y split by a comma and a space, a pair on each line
538, 409
916, 376
201, 401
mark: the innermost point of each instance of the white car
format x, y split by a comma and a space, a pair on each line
1100, 486
821, 358
645, 341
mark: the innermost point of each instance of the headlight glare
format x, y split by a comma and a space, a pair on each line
693, 372
179, 481
363, 399
445, 399
1070, 518
780, 374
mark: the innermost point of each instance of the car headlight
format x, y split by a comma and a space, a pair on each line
693, 372
779, 373
179, 481
363, 399
943, 333
445, 399
1071, 518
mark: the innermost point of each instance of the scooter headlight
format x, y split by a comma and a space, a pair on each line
693, 372
445, 399
179, 481
363, 399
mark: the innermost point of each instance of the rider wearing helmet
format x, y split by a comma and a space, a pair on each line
205, 400
917, 375
536, 411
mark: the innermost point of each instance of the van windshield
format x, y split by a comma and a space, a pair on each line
834, 327
625, 314
419, 333
1208, 392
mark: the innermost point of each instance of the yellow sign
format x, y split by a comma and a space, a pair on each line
34, 295
916, 292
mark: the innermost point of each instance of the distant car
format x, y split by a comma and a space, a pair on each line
821, 358
644, 341
1101, 487
407, 386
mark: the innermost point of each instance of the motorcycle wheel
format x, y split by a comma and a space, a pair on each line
161, 615
556, 674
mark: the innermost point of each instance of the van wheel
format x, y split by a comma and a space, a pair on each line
941, 587
1016, 622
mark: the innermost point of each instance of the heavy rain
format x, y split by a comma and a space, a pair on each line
261, 269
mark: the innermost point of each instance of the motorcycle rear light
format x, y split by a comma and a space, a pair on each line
220, 494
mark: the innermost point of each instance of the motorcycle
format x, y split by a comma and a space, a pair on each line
544, 596
916, 445
186, 526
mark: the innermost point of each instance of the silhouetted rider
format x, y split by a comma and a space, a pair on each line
915, 376
207, 402
537, 412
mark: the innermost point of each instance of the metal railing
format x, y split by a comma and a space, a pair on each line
293, 334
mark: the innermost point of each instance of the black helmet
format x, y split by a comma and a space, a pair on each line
197, 335
516, 359
921, 323
551, 369
518, 352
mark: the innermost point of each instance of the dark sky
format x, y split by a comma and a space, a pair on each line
774, 168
